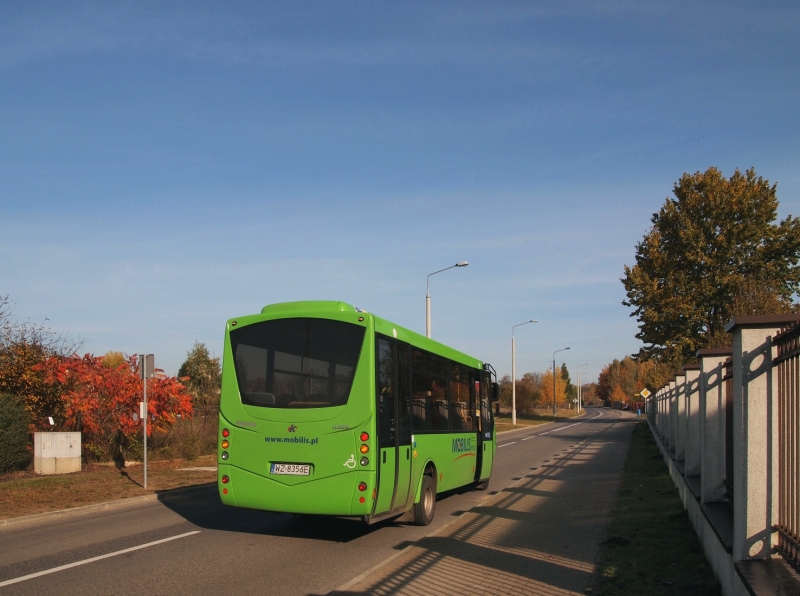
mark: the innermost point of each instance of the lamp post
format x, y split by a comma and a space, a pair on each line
428, 296
554, 381
580, 393
514, 373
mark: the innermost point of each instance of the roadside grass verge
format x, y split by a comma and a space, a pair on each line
503, 421
25, 493
650, 546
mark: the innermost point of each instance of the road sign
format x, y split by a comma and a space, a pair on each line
645, 393
146, 365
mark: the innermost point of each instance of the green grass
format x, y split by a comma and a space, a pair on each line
651, 547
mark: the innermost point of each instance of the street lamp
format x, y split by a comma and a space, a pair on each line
580, 393
554, 381
428, 296
514, 373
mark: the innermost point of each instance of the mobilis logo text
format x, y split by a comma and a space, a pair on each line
292, 428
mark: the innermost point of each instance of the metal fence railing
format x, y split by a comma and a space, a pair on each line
788, 364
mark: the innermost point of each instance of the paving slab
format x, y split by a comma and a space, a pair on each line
538, 536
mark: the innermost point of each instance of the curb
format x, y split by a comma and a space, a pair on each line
14, 521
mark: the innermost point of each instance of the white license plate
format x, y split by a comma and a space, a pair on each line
291, 469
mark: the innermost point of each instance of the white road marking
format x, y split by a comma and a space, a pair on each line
555, 430
16, 580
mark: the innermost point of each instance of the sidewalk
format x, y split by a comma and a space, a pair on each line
539, 536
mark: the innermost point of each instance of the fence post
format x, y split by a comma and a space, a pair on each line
712, 415
673, 418
755, 434
693, 443
680, 408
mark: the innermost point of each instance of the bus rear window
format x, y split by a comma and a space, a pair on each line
296, 363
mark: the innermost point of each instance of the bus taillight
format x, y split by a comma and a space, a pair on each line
225, 444
225, 480
364, 437
225, 432
362, 486
364, 449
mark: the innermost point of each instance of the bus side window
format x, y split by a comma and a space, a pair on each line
460, 416
386, 392
486, 408
420, 392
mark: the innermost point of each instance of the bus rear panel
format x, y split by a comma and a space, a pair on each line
326, 409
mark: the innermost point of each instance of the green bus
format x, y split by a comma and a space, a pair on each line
327, 409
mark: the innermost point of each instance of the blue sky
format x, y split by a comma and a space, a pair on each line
167, 166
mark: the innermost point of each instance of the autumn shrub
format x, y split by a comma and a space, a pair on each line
102, 402
14, 434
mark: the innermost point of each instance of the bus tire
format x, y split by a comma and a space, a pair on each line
483, 485
425, 509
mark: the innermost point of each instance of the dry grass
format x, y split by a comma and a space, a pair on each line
25, 493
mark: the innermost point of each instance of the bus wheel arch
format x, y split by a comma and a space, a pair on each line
428, 470
425, 503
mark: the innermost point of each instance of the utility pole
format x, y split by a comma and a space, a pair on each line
554, 381
146, 370
514, 373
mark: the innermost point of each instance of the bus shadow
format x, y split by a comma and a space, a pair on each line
203, 508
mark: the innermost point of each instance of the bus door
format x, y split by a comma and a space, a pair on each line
394, 432
486, 433
403, 400
475, 403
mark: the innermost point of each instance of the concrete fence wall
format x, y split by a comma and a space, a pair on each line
723, 427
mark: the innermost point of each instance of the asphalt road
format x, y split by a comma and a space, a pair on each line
191, 544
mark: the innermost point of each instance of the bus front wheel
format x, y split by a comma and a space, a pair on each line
424, 510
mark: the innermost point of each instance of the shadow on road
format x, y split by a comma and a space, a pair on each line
203, 508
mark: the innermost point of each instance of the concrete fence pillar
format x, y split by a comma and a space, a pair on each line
660, 413
692, 397
712, 419
680, 418
755, 433
673, 417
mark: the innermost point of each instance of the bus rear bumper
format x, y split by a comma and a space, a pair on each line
334, 495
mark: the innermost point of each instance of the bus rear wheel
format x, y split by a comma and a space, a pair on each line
425, 509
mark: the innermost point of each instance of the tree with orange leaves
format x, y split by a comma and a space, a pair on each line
547, 389
100, 401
